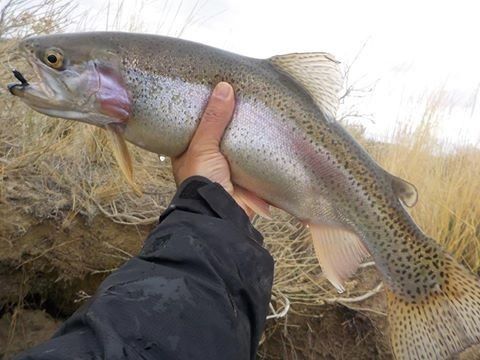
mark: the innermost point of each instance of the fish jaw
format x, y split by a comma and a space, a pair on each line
92, 92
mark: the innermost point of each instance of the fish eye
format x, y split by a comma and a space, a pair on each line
54, 58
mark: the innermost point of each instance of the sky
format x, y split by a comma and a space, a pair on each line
402, 55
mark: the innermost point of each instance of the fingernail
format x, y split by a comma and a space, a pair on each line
222, 91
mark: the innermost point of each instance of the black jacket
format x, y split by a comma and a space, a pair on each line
199, 289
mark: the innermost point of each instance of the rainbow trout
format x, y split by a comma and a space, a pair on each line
283, 145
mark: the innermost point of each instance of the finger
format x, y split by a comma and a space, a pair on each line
216, 117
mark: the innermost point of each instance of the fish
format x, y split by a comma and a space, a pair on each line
283, 145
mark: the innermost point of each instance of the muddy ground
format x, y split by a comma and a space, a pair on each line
49, 267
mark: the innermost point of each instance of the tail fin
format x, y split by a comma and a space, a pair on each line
444, 323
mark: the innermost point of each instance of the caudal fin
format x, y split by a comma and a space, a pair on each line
442, 324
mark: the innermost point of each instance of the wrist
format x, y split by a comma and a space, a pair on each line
188, 188
200, 195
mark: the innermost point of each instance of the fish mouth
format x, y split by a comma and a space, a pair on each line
79, 95
47, 95
45, 90
33, 94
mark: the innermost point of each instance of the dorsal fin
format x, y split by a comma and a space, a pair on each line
407, 193
318, 73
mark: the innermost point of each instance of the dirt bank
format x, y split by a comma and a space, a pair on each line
47, 269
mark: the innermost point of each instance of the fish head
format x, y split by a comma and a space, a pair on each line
79, 78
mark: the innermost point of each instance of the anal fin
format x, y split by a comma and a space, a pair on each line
339, 252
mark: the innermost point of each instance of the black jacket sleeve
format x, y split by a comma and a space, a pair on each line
199, 289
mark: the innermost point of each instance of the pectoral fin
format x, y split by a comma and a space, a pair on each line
120, 151
339, 252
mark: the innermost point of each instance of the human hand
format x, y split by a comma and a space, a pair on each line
203, 156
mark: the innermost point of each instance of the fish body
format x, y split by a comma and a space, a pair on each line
284, 145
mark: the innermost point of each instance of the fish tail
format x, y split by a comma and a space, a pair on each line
440, 324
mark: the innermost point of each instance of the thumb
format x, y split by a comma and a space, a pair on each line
216, 117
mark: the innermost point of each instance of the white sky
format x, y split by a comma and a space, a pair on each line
411, 49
